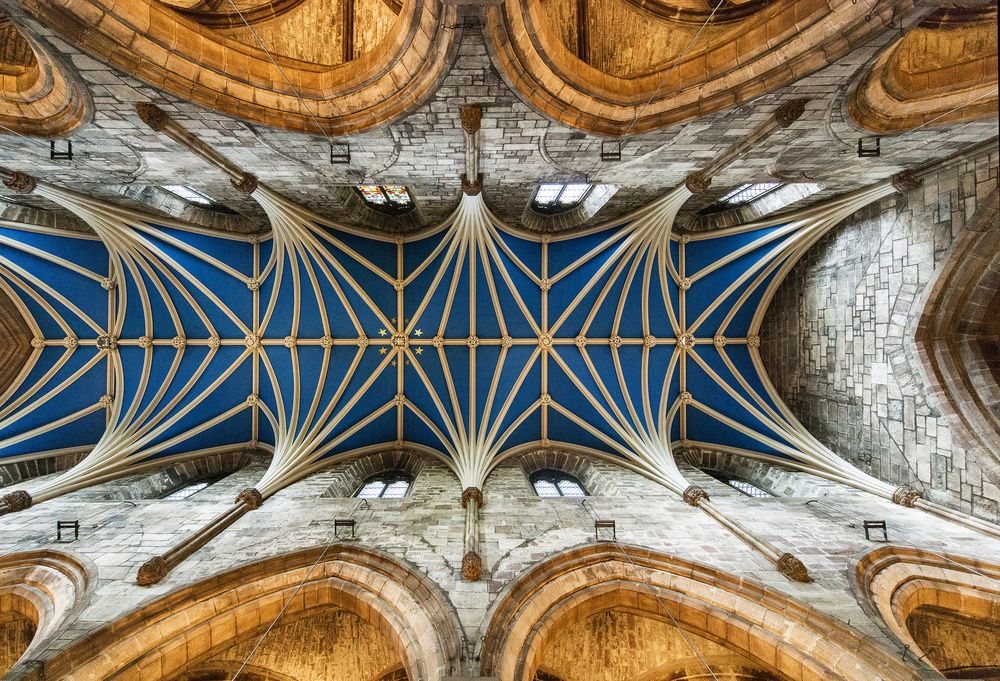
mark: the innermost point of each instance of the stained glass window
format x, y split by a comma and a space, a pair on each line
389, 198
390, 485
187, 491
188, 194
549, 483
749, 192
373, 194
559, 196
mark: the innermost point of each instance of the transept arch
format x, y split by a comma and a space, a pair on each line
39, 94
203, 55
785, 638
746, 50
182, 631
948, 60
41, 592
943, 609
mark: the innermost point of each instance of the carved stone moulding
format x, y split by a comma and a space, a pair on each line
793, 568
251, 497
693, 494
906, 496
472, 117
472, 493
472, 188
18, 500
152, 571
472, 567
152, 115
21, 183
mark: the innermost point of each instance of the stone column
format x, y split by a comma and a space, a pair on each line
157, 119
472, 562
157, 567
787, 564
471, 120
784, 116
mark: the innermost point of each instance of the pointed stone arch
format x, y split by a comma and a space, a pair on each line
780, 634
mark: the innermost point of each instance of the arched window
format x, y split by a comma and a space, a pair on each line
550, 483
189, 195
748, 192
555, 198
747, 488
388, 485
389, 198
188, 490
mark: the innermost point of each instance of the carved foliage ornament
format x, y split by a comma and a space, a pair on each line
251, 497
472, 567
152, 115
472, 117
246, 185
18, 500
789, 112
906, 496
152, 571
792, 567
472, 493
697, 183
21, 183
693, 494
472, 188
905, 181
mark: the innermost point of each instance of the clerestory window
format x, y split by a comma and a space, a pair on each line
187, 490
748, 192
389, 485
189, 195
550, 483
743, 486
555, 198
389, 198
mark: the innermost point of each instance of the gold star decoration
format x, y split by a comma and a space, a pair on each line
381, 351
381, 332
419, 351
393, 320
418, 333
393, 362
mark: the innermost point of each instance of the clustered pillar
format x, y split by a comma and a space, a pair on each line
472, 562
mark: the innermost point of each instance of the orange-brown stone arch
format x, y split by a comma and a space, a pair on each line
39, 95
731, 62
193, 625
945, 62
156, 43
944, 608
781, 635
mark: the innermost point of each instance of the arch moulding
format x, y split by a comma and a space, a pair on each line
782, 634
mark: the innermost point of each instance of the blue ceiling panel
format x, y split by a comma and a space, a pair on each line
457, 365
562, 254
381, 431
236, 253
83, 432
561, 429
416, 431
458, 324
234, 430
528, 430
704, 428
529, 252
487, 319
382, 254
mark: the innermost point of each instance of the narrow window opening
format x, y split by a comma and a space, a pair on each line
389, 198
390, 485
748, 192
550, 483
189, 195
187, 490
555, 198
743, 486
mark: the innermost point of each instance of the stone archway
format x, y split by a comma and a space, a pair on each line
777, 635
41, 592
193, 628
944, 609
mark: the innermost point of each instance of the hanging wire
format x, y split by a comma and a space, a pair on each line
655, 595
269, 56
946, 113
678, 61
363, 502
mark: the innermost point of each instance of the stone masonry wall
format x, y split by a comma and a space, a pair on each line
838, 339
518, 530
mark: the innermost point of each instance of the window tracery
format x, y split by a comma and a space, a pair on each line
556, 198
188, 490
189, 195
389, 485
388, 198
552, 483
